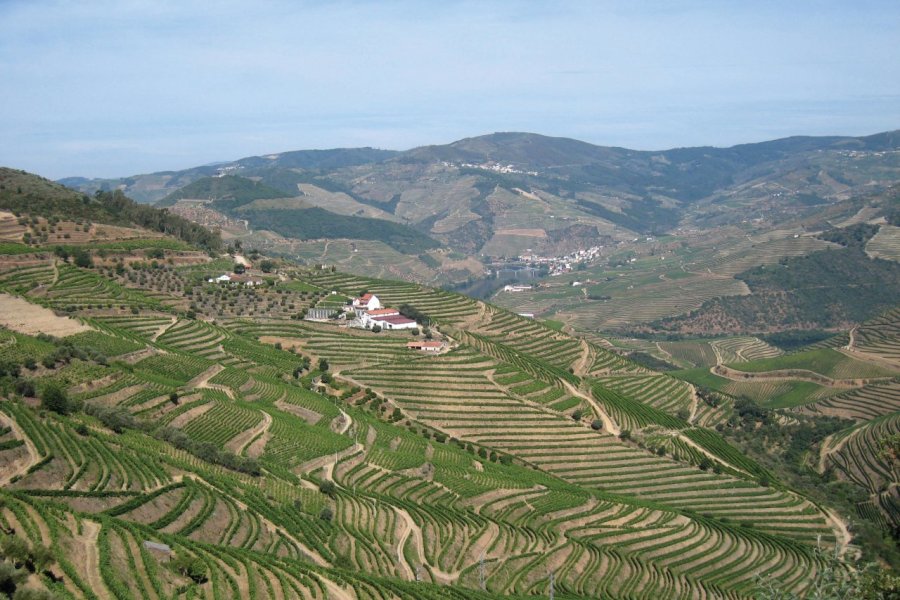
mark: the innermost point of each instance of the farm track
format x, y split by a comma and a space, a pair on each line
794, 375
33, 454
413, 529
866, 356
201, 381
90, 531
163, 328
584, 362
240, 443
608, 424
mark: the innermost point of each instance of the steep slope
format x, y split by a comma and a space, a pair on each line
487, 466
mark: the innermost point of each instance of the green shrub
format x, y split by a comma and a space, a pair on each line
54, 398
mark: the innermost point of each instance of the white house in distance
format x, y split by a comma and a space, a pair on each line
394, 322
367, 302
426, 346
369, 317
517, 288
241, 279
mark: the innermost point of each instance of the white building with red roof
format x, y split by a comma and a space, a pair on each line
394, 322
367, 302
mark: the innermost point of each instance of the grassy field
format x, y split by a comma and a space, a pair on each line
827, 362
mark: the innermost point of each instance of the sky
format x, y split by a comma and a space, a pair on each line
121, 87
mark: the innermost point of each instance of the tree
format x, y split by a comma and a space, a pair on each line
15, 549
326, 514
267, 266
83, 259
10, 578
55, 398
323, 364
191, 567
41, 558
173, 398
596, 424
327, 487
239, 268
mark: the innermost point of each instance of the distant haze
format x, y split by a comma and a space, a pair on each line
110, 88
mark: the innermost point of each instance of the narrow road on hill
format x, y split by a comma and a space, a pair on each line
55, 279
695, 404
875, 359
346, 422
827, 449
201, 381
33, 455
239, 443
718, 354
401, 542
842, 533
608, 424
412, 528
163, 328
852, 341
336, 592
90, 532
583, 364
665, 353
328, 461
794, 375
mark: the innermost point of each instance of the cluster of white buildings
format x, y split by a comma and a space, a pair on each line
370, 312
228, 170
563, 264
247, 280
491, 166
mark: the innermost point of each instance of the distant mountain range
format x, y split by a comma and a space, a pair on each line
507, 193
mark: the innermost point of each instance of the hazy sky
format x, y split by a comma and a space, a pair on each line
123, 87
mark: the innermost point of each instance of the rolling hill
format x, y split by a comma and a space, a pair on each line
449, 214
177, 436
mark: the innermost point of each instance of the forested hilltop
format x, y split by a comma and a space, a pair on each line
181, 421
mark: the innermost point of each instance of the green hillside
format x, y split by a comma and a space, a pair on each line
202, 439
318, 223
825, 289
25, 193
229, 191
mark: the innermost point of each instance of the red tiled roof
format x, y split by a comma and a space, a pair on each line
398, 320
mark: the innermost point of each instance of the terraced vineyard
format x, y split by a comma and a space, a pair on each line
269, 457
880, 336
886, 243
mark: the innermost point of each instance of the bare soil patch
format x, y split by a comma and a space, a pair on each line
535, 233
20, 315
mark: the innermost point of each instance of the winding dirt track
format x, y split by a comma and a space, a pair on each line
33, 456
608, 424
584, 361
164, 328
412, 528
240, 442
90, 532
